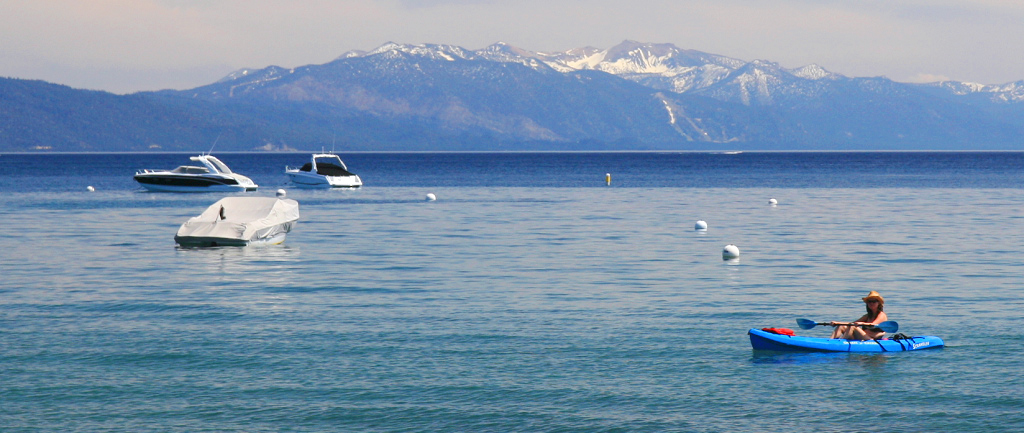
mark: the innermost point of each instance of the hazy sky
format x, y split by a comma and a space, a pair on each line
130, 45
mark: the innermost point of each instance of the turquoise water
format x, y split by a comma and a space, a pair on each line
498, 308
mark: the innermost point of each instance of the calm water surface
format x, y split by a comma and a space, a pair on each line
529, 297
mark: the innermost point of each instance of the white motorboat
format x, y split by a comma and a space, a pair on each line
240, 221
213, 175
324, 170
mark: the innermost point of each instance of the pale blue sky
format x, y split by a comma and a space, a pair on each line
131, 45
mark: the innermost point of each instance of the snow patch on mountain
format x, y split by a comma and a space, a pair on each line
1008, 93
815, 72
585, 58
268, 73
962, 88
430, 51
671, 115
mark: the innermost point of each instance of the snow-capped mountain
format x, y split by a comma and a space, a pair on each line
660, 66
431, 97
667, 67
676, 96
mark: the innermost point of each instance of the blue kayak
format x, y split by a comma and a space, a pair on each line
762, 340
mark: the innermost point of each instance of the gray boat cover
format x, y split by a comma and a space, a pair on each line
243, 218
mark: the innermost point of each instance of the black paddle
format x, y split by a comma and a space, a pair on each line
887, 326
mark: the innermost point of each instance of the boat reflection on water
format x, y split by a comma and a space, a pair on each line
263, 264
867, 360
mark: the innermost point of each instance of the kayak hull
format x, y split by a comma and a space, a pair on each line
762, 340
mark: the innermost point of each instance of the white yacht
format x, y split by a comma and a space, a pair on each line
324, 170
212, 175
240, 221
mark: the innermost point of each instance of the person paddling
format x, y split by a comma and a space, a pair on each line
874, 304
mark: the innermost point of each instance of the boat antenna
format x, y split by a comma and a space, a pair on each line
215, 143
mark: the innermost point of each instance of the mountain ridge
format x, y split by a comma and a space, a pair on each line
632, 96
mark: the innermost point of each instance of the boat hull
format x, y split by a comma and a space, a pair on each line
305, 178
203, 241
184, 183
762, 340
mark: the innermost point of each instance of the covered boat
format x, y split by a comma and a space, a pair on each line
210, 175
324, 170
240, 221
764, 340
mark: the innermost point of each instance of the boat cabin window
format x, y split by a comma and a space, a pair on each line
328, 169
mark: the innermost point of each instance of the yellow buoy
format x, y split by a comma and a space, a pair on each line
608, 178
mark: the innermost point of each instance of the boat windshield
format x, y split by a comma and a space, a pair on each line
190, 169
329, 160
217, 165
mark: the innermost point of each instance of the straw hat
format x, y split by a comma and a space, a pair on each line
874, 295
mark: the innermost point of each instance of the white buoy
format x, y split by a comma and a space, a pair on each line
608, 178
281, 193
431, 197
90, 188
730, 252
701, 225
773, 201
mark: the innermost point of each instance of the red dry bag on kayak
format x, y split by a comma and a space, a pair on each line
780, 331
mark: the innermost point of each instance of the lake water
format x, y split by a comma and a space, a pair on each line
529, 297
